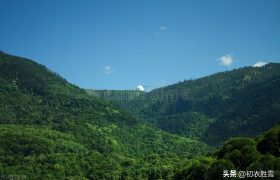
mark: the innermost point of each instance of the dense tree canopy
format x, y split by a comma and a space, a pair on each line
51, 129
245, 101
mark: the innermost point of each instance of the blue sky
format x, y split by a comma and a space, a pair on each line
119, 44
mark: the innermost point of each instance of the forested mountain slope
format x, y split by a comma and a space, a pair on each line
244, 101
51, 129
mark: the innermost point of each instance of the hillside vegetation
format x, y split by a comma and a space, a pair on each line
244, 101
51, 129
244, 155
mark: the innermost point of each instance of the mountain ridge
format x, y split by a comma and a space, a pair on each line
99, 139
217, 100
52, 129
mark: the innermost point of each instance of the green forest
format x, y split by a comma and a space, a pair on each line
196, 129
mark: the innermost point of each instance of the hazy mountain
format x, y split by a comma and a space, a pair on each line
244, 101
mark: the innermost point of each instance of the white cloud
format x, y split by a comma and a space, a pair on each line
108, 70
226, 60
259, 64
160, 30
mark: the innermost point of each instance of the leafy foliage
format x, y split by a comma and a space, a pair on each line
239, 154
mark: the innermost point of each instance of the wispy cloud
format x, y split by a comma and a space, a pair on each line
259, 64
108, 70
160, 30
156, 33
226, 60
